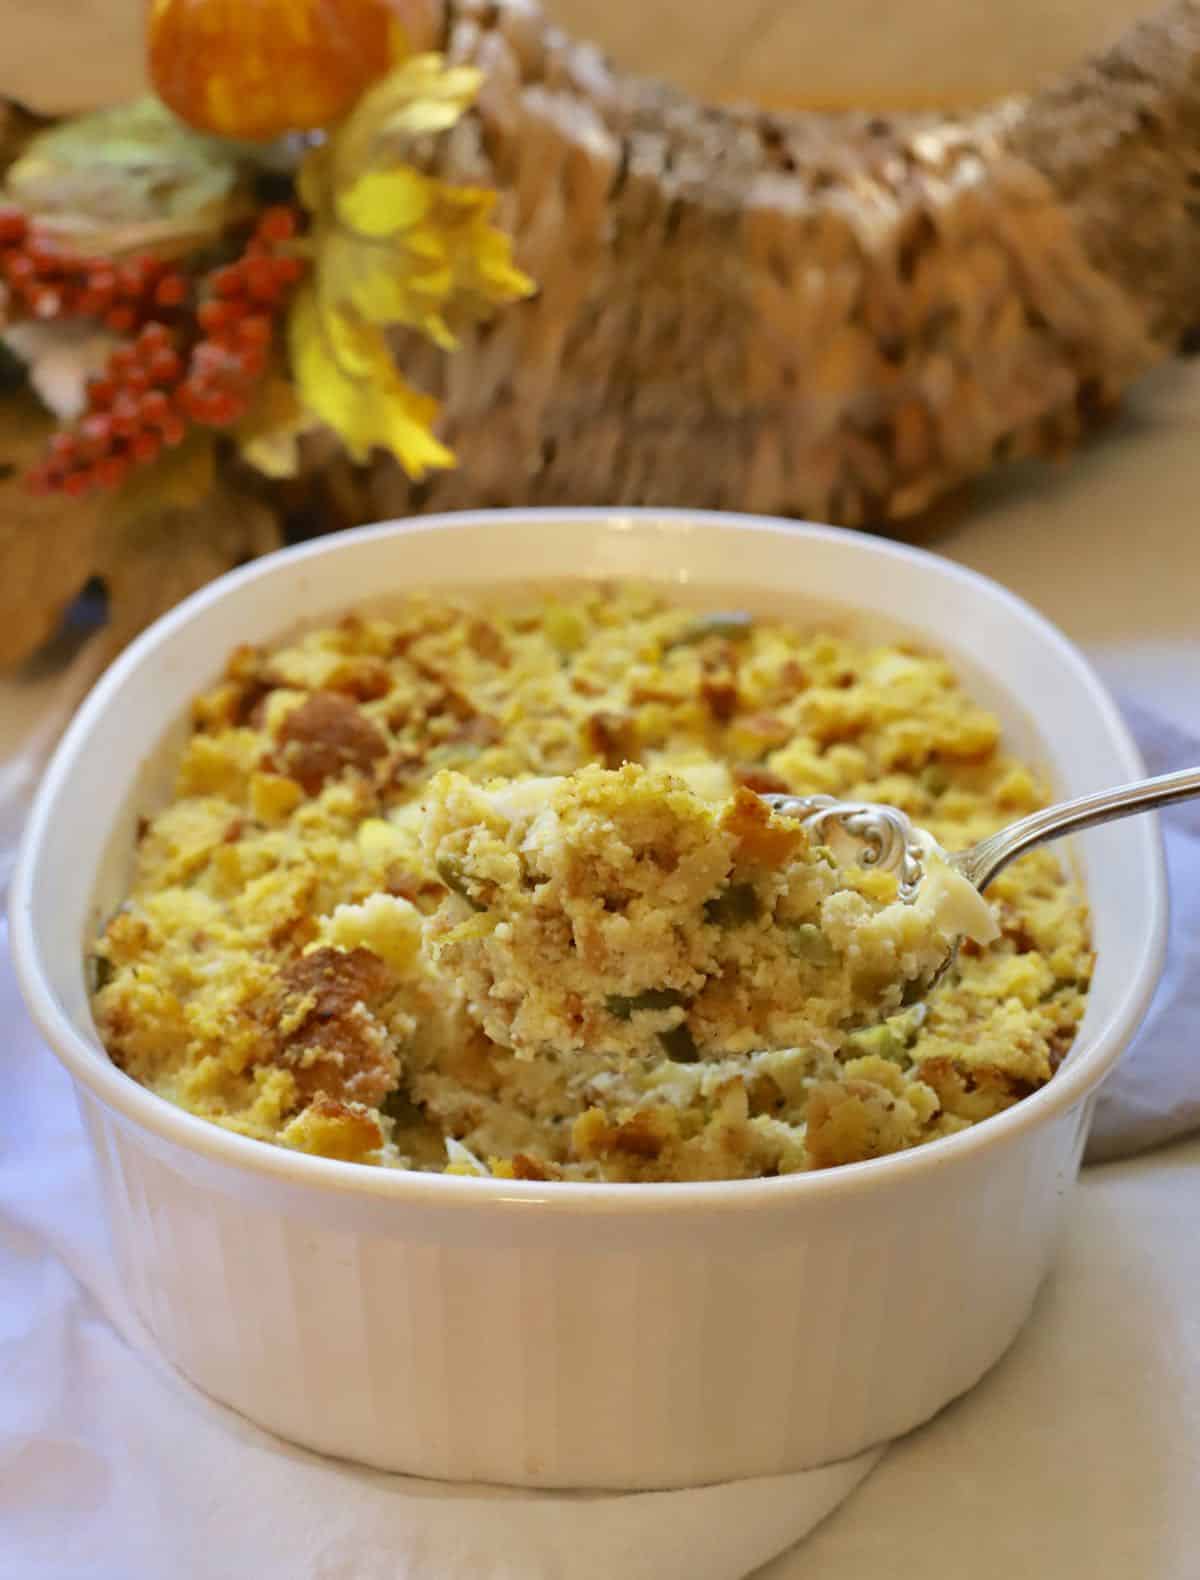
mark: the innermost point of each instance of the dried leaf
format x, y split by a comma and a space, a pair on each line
172, 527
180, 479
136, 165
61, 357
154, 558
48, 544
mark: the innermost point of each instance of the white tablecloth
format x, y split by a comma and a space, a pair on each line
1077, 1457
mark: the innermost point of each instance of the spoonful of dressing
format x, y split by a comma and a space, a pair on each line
618, 912
884, 839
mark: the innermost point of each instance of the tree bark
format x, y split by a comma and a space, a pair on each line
840, 317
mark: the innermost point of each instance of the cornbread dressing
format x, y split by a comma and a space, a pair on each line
616, 910
338, 937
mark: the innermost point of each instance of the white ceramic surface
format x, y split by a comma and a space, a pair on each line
582, 1335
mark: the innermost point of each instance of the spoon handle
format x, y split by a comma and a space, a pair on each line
980, 864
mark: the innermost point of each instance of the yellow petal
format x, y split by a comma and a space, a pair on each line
382, 202
375, 407
384, 285
420, 97
344, 337
386, 296
393, 246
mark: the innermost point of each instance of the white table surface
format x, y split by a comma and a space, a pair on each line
1079, 1456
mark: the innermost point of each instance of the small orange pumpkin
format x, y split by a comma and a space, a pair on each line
255, 69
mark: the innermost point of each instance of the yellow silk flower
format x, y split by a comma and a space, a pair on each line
392, 247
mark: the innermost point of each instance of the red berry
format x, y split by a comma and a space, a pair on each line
217, 315
208, 358
154, 407
278, 223
102, 281
47, 258
76, 483
144, 447
96, 432
100, 393
173, 429
262, 280
130, 280
63, 448
254, 330
14, 226
202, 407
19, 268
171, 291
254, 362
289, 269
137, 381
126, 418
153, 337
228, 281
122, 359
165, 366
187, 396
112, 470
120, 320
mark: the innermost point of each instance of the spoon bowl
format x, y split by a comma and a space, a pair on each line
887, 839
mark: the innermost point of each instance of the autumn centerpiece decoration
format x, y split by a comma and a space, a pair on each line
197, 285
291, 291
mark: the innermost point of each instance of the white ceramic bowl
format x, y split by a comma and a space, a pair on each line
570, 1334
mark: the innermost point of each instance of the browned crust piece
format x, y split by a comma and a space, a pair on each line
326, 1030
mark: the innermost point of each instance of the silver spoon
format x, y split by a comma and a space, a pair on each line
891, 841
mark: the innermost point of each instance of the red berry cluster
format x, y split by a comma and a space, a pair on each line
203, 371
131, 414
47, 279
238, 323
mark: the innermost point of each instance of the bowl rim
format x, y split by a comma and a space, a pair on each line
88, 1064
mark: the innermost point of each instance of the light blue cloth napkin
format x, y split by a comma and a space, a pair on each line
1153, 1095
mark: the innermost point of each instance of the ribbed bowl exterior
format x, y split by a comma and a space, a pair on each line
569, 1335
499, 1352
